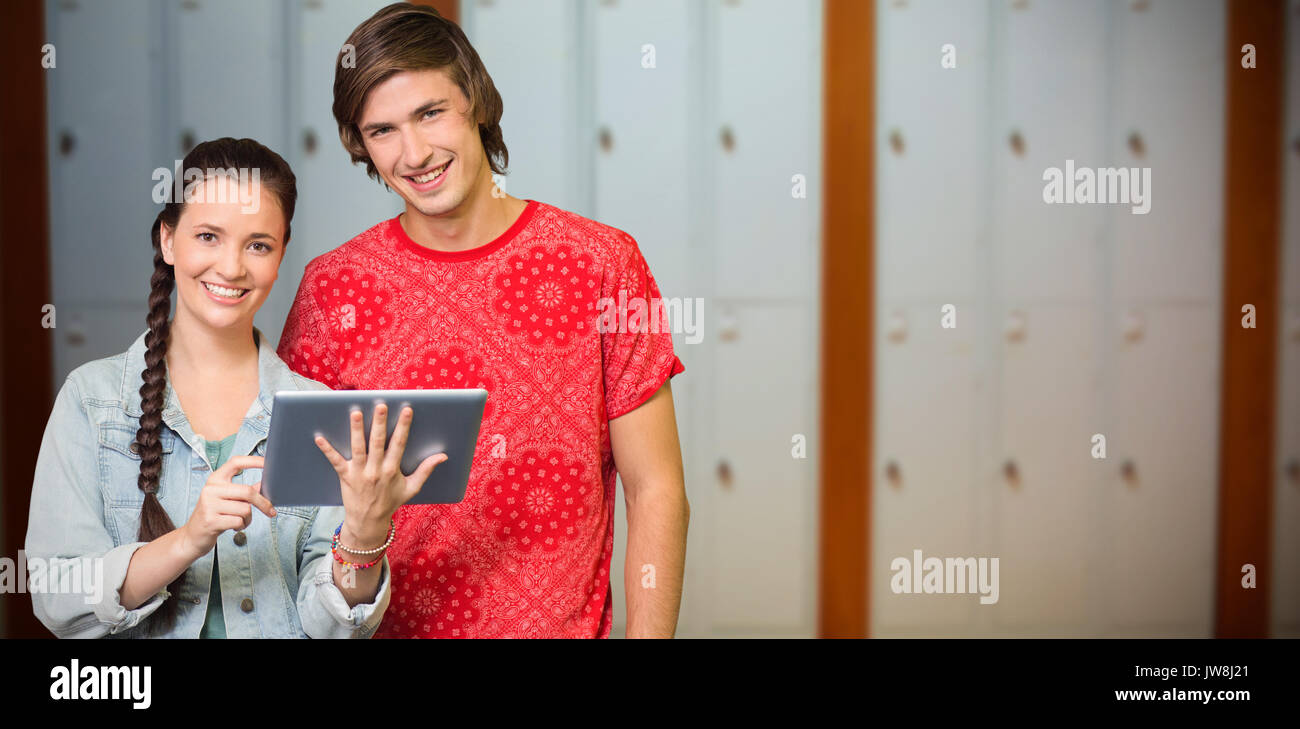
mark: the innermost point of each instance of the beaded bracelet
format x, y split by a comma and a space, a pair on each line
335, 547
392, 532
353, 565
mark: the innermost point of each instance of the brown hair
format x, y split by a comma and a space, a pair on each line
408, 37
275, 177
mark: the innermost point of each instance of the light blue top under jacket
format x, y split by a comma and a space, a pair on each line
86, 503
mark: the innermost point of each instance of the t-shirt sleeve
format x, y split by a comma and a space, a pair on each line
636, 336
305, 344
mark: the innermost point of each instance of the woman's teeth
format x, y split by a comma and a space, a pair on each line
431, 175
223, 291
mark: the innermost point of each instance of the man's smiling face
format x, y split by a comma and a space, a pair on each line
418, 133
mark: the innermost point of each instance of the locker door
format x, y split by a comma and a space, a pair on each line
767, 55
761, 112
227, 67
763, 559
1168, 79
1045, 490
932, 152
336, 200
101, 155
1049, 92
532, 50
1285, 609
644, 178
924, 484
1161, 472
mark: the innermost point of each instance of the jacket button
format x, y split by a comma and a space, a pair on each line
246, 605
134, 448
240, 539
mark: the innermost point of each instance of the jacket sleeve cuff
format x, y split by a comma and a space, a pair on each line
109, 610
330, 616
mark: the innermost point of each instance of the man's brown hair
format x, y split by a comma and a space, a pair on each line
406, 37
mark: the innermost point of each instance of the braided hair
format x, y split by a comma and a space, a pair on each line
275, 177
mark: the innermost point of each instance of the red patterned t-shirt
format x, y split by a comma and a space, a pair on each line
527, 553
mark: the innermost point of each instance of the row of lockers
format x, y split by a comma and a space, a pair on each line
1072, 320
964, 149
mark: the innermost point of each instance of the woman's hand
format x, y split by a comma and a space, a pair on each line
372, 482
224, 505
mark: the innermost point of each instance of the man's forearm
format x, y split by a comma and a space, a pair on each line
656, 559
362, 585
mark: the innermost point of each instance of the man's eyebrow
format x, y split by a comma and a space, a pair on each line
422, 108
426, 106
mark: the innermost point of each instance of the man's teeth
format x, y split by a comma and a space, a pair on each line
431, 176
223, 291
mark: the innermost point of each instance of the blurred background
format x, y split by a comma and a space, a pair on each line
904, 346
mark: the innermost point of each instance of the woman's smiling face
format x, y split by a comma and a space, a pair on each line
226, 259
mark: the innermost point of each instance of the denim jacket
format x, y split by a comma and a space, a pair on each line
276, 579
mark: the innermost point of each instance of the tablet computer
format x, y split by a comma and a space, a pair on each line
296, 473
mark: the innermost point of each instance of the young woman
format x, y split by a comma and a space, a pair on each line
122, 463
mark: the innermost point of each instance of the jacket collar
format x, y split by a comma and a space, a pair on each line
272, 375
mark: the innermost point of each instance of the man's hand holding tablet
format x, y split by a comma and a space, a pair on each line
372, 482
433, 426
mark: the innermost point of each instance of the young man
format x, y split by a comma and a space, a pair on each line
469, 287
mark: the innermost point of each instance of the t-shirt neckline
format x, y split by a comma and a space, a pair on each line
404, 241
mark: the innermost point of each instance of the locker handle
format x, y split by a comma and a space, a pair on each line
1017, 142
1295, 146
1136, 145
1012, 473
187, 141
67, 143
1128, 471
1133, 326
724, 474
309, 141
728, 327
893, 474
1015, 326
896, 141
1293, 471
896, 327
606, 139
728, 138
